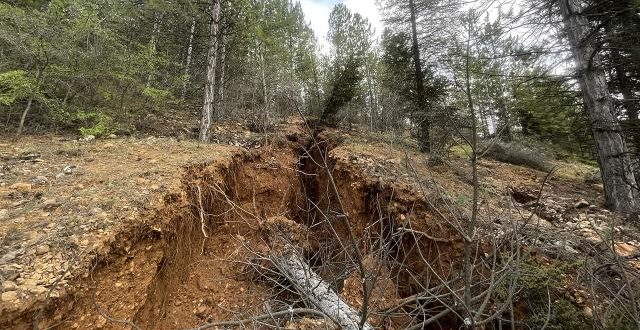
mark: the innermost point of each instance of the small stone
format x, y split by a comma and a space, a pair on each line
37, 289
68, 169
625, 249
10, 296
112, 136
43, 249
588, 311
21, 187
201, 311
88, 138
40, 180
4, 214
584, 224
9, 286
50, 204
29, 155
100, 322
581, 204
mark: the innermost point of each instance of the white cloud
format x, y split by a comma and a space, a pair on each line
368, 9
317, 13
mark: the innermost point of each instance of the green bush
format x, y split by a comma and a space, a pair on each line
94, 123
15, 85
517, 154
617, 319
539, 285
158, 97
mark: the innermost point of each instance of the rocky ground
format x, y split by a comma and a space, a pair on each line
65, 201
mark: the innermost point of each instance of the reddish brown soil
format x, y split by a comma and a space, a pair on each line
194, 255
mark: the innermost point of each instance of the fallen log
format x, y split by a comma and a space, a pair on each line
290, 263
317, 291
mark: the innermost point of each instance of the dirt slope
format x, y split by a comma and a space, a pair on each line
159, 234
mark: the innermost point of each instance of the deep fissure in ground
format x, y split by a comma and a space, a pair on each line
202, 256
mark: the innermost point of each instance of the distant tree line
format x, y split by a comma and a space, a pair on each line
561, 72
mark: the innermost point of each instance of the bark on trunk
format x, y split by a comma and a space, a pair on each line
23, 118
425, 125
265, 95
373, 111
223, 58
317, 291
630, 103
154, 33
209, 90
619, 181
187, 65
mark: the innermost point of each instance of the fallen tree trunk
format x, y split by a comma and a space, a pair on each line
285, 237
317, 291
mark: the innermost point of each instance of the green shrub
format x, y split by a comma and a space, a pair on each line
539, 284
15, 85
94, 123
517, 154
617, 319
158, 97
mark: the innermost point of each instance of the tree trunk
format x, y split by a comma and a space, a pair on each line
317, 291
156, 31
372, 103
185, 83
618, 178
425, 125
223, 56
631, 105
209, 90
223, 59
265, 95
316, 83
39, 77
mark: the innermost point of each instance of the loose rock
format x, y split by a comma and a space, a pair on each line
40, 180
581, 204
9, 296
9, 286
50, 204
21, 187
37, 290
43, 249
68, 169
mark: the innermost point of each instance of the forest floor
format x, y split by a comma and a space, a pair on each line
109, 233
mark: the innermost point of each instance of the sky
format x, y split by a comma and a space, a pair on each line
317, 13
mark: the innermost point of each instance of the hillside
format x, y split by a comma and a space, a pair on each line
152, 233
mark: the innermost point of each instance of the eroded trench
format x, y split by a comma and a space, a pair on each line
203, 256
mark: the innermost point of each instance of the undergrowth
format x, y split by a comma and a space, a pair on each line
546, 304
